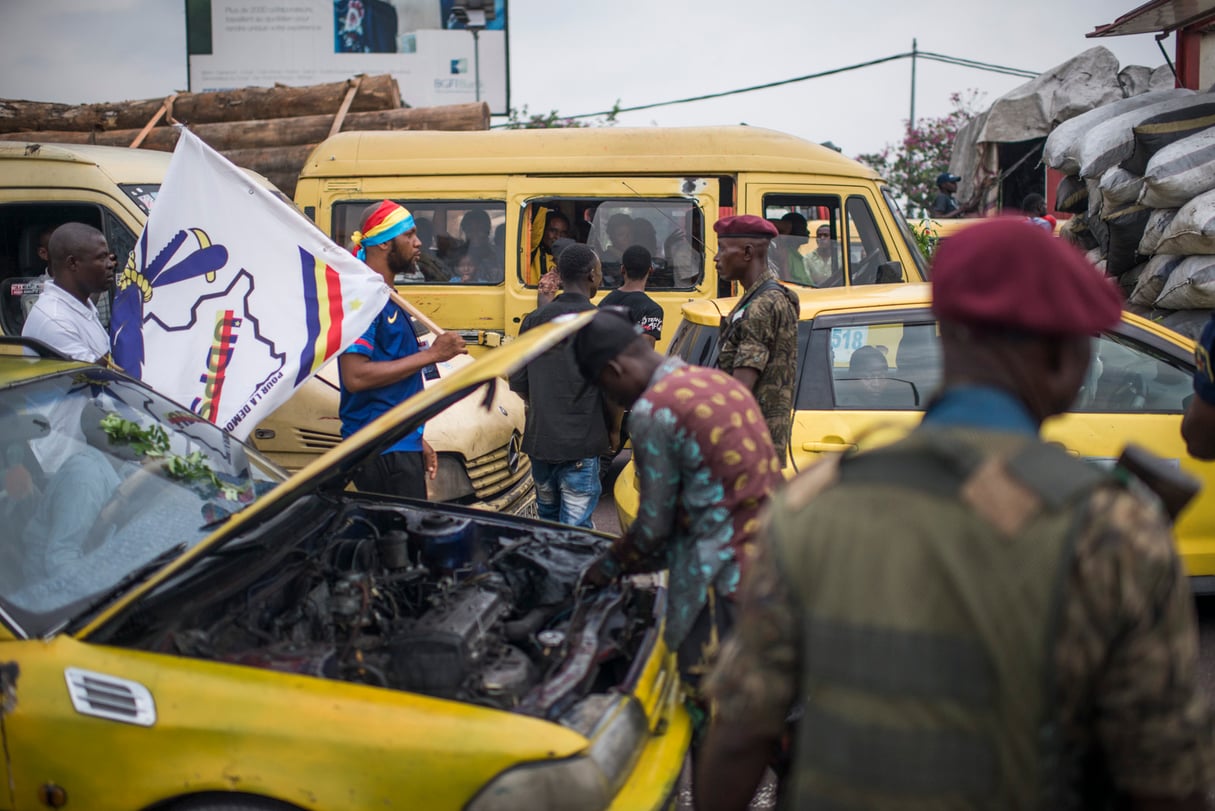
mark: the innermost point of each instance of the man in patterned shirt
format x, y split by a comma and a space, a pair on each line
705, 466
971, 617
759, 336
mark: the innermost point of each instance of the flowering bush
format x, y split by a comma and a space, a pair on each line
911, 167
927, 237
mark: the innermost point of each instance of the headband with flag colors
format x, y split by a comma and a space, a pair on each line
386, 222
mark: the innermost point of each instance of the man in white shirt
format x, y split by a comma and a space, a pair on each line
64, 317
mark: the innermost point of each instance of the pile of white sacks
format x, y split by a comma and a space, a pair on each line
1141, 187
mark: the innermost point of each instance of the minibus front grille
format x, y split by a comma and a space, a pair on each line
317, 440
498, 471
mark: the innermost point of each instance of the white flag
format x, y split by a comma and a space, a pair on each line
231, 298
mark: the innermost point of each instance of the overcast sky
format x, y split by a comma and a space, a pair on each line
579, 56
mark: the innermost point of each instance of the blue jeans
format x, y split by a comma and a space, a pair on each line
567, 492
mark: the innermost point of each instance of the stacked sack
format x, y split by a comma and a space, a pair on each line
1141, 184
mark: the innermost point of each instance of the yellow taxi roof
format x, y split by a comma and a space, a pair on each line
588, 150
815, 301
818, 301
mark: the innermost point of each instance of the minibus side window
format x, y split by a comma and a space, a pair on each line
672, 230
463, 241
21, 268
808, 251
868, 260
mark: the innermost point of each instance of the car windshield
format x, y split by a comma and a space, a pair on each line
101, 476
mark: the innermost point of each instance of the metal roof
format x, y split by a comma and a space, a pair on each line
1156, 16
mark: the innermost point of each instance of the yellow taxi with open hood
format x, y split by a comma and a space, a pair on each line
185, 626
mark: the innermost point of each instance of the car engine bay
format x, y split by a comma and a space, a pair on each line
445, 603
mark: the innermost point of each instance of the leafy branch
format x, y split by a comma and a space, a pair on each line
152, 442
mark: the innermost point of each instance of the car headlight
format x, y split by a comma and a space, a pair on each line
451, 482
582, 783
576, 784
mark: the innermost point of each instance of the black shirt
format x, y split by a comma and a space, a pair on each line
944, 204
564, 423
643, 310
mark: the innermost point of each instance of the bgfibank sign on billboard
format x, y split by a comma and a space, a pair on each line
424, 44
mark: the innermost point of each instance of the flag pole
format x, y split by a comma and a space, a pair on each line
417, 314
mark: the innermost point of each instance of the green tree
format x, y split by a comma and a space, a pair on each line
521, 119
911, 167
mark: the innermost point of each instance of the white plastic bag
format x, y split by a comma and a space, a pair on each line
1062, 150
1192, 231
1191, 285
1157, 224
1180, 172
1113, 141
1152, 279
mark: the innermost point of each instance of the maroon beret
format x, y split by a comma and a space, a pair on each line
1009, 273
745, 225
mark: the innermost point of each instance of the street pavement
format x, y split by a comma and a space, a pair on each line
605, 512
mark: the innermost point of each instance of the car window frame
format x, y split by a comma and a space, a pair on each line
817, 390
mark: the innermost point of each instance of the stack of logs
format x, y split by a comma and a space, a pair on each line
270, 130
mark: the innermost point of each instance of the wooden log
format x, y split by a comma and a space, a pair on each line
275, 132
244, 104
272, 160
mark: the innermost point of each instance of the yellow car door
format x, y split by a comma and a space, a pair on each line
1136, 391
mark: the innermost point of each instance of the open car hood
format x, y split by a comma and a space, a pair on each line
333, 471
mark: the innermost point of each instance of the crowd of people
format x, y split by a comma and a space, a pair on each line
475, 257
967, 618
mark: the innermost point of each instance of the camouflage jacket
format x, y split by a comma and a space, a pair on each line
1131, 711
761, 333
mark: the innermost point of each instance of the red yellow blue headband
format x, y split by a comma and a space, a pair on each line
386, 222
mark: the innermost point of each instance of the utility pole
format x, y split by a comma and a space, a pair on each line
476, 32
473, 15
911, 120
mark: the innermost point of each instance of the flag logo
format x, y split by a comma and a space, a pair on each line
231, 299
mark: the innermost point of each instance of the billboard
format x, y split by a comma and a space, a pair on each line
427, 45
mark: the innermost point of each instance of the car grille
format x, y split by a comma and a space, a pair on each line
109, 697
491, 474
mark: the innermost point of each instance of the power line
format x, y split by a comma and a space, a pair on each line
952, 60
749, 89
970, 63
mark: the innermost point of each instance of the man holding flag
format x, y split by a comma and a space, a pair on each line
384, 366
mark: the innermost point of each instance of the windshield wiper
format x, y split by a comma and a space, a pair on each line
136, 575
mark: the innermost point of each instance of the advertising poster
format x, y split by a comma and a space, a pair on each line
434, 48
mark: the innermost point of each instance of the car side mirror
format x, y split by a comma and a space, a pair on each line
889, 273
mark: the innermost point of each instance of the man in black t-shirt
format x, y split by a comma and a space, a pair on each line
945, 206
643, 310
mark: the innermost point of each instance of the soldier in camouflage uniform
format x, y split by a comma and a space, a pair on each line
759, 336
971, 618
